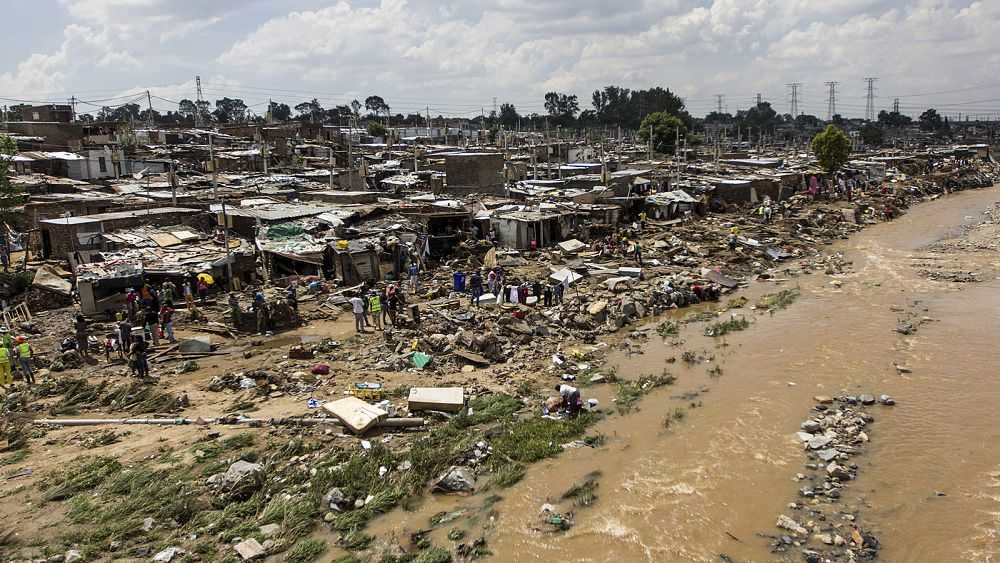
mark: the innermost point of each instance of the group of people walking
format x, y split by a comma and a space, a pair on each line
373, 307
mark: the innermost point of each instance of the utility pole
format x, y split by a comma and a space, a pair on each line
719, 98
895, 105
650, 158
225, 218
173, 181
350, 156
149, 106
794, 109
72, 105
831, 104
870, 102
198, 103
331, 167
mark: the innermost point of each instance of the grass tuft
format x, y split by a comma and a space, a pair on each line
305, 551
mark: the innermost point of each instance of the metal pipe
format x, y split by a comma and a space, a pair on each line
387, 423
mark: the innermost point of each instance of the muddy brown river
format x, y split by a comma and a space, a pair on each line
929, 483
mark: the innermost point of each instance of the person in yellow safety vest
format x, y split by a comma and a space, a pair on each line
24, 360
6, 378
7, 341
375, 308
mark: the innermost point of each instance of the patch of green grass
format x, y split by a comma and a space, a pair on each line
455, 534
355, 541
722, 328
215, 448
17, 457
780, 300
305, 551
352, 559
534, 439
629, 392
489, 408
583, 494
84, 475
433, 555
668, 328
507, 474
296, 515
673, 416
135, 397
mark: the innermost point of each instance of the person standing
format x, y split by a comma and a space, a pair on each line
167, 320
6, 376
139, 360
202, 291
414, 276
188, 296
7, 341
234, 310
82, 342
131, 300
24, 352
358, 306
152, 324
560, 289
491, 281
477, 287
168, 291
375, 307
124, 337
260, 311
548, 295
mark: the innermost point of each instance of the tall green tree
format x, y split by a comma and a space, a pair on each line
665, 129
311, 110
931, 120
376, 105
872, 134
509, 116
832, 148
279, 112
562, 107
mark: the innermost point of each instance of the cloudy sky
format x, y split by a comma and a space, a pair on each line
456, 56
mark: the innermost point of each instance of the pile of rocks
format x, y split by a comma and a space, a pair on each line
833, 435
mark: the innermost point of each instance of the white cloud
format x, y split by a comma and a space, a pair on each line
457, 55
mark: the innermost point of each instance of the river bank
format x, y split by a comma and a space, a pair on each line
710, 483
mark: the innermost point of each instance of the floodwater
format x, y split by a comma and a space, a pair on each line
929, 483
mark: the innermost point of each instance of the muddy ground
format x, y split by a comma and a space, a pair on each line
54, 509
